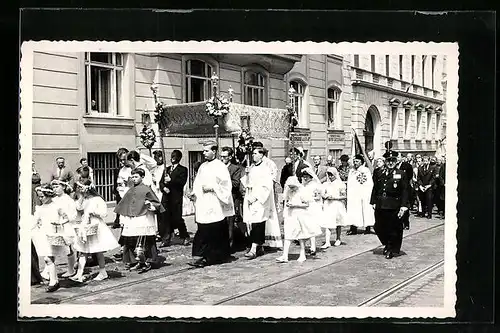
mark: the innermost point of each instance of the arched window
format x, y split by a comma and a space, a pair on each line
333, 116
198, 83
255, 86
298, 100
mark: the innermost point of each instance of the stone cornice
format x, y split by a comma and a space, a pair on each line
393, 91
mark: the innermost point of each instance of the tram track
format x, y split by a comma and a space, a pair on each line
379, 297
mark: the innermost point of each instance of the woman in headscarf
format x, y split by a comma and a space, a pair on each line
297, 222
101, 239
334, 210
312, 194
48, 232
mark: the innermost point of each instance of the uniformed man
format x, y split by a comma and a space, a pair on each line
390, 201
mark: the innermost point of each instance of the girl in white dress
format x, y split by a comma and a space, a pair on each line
48, 233
100, 239
312, 193
68, 206
334, 210
297, 220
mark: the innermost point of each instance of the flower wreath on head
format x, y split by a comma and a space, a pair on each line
85, 188
361, 177
217, 107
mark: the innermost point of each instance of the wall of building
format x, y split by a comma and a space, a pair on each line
56, 110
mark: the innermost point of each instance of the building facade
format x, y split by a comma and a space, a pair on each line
91, 104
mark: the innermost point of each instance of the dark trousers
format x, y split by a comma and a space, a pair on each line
258, 233
406, 219
170, 220
426, 200
211, 242
389, 228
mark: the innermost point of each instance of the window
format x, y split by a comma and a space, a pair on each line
433, 70
333, 120
387, 72
423, 71
103, 82
419, 121
407, 121
198, 83
195, 157
356, 60
298, 100
438, 127
429, 123
372, 58
335, 153
106, 169
401, 67
394, 122
412, 68
255, 89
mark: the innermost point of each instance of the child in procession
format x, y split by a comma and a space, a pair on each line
68, 207
136, 210
312, 194
101, 239
297, 221
48, 233
334, 210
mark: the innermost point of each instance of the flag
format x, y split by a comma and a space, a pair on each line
357, 148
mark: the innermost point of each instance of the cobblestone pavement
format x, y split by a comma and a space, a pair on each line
322, 280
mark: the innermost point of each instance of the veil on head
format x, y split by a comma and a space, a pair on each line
334, 172
292, 180
311, 172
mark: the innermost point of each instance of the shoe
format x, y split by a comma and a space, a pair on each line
145, 268
260, 251
325, 246
337, 243
281, 259
200, 263
53, 288
165, 244
301, 259
250, 255
77, 279
118, 256
389, 255
429, 217
385, 251
135, 267
67, 274
313, 254
407, 227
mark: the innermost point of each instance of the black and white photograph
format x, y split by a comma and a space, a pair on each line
238, 179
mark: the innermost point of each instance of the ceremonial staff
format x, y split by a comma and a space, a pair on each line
159, 118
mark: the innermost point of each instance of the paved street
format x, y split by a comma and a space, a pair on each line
339, 276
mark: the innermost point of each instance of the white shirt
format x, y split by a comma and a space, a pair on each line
271, 166
157, 173
215, 205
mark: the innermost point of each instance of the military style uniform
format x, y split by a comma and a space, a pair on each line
390, 193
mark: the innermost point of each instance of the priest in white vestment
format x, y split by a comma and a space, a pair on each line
258, 202
213, 203
360, 213
273, 231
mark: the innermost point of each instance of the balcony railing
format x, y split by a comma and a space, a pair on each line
359, 74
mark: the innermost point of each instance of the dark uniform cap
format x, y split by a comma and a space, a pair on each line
344, 158
391, 155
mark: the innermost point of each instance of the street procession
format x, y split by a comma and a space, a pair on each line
257, 159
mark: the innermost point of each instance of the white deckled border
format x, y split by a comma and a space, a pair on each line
27, 310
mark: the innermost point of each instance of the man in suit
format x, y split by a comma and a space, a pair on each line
441, 186
172, 186
407, 168
63, 173
297, 154
389, 198
319, 169
286, 172
235, 172
426, 180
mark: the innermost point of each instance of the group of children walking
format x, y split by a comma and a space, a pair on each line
311, 206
